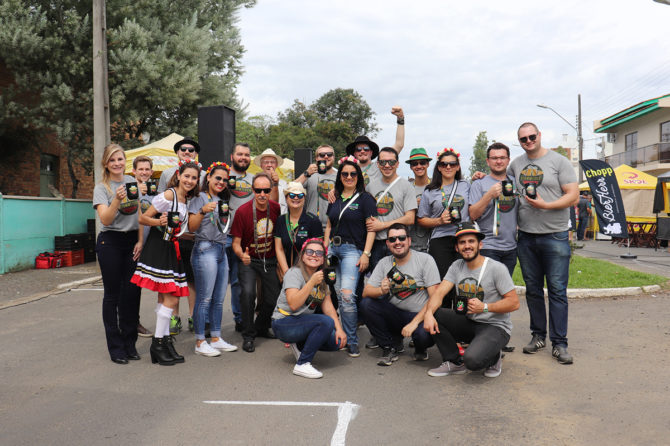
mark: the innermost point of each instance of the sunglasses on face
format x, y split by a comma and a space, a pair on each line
187, 149
259, 190
363, 149
524, 139
418, 163
387, 162
219, 178
401, 238
349, 174
294, 196
326, 154
447, 163
314, 252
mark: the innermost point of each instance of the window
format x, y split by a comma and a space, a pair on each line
665, 131
631, 141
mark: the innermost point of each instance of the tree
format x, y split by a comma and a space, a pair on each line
478, 159
165, 59
562, 151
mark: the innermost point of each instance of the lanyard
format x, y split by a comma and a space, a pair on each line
267, 229
215, 221
451, 195
481, 274
339, 218
387, 189
496, 214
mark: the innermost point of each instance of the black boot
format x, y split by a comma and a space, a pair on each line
170, 346
159, 352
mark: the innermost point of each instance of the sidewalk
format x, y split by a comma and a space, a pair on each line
648, 260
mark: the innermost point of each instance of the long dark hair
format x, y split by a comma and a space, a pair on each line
360, 181
436, 180
174, 181
225, 193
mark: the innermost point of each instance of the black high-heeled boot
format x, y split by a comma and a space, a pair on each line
159, 351
170, 346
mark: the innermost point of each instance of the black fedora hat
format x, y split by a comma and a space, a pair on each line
363, 140
187, 140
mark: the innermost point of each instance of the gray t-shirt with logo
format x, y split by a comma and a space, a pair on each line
548, 173
495, 283
126, 218
420, 273
209, 227
419, 234
394, 203
293, 279
505, 207
242, 193
434, 202
371, 172
316, 202
145, 204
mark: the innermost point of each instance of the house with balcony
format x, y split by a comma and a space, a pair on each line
640, 135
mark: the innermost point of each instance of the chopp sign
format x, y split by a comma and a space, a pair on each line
606, 197
599, 172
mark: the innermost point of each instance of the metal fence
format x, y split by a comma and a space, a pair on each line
655, 153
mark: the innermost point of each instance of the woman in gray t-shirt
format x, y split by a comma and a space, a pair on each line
294, 321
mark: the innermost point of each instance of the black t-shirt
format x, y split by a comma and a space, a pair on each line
352, 227
309, 226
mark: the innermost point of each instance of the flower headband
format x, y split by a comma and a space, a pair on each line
182, 163
349, 158
448, 151
218, 164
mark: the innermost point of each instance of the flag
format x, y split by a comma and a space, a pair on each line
606, 198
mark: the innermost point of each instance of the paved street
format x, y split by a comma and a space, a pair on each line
58, 386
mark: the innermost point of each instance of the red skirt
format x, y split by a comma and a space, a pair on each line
159, 268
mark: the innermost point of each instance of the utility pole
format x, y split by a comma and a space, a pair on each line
101, 132
580, 139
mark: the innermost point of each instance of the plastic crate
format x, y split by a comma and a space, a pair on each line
90, 226
72, 258
70, 242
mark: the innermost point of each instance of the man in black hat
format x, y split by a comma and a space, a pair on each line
486, 292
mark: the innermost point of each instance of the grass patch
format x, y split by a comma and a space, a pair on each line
593, 273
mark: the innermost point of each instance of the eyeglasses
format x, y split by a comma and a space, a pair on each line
218, 178
418, 163
266, 190
387, 162
498, 158
294, 196
363, 149
314, 252
187, 149
326, 154
447, 164
524, 139
401, 238
349, 174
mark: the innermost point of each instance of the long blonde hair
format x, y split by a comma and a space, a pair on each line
110, 150
322, 286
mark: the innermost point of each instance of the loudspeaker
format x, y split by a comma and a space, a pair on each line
302, 158
216, 134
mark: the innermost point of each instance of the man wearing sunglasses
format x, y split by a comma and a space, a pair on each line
543, 246
318, 185
399, 287
253, 234
418, 162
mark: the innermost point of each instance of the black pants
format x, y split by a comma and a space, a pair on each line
443, 251
120, 302
270, 290
379, 251
486, 340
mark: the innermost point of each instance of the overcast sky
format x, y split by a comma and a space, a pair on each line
458, 68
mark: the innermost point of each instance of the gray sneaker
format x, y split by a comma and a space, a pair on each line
372, 343
389, 356
534, 345
495, 370
561, 354
448, 368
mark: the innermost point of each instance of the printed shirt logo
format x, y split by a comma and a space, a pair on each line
531, 174
468, 288
242, 189
261, 229
385, 205
145, 203
324, 187
506, 204
405, 289
458, 202
128, 207
315, 298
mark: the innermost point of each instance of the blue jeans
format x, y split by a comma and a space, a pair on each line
347, 277
386, 321
507, 258
546, 256
312, 332
210, 267
235, 290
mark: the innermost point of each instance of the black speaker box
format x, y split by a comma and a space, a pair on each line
302, 158
216, 134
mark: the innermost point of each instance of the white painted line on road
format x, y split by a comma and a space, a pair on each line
346, 412
87, 289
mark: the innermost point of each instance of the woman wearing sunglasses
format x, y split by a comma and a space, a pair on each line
294, 321
210, 220
444, 204
350, 241
294, 228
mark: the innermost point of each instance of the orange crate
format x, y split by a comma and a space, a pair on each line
71, 258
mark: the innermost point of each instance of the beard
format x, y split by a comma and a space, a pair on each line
402, 254
470, 256
239, 168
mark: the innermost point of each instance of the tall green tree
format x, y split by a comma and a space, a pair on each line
166, 58
478, 158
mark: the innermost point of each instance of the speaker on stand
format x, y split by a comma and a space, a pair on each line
302, 158
216, 134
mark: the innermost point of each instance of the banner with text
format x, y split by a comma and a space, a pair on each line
606, 198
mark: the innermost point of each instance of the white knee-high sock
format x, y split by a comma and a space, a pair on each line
163, 321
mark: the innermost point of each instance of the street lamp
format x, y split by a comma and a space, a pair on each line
578, 129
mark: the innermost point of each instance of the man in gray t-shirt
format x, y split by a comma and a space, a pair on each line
396, 291
486, 295
318, 185
544, 249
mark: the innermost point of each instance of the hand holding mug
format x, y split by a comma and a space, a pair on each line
121, 192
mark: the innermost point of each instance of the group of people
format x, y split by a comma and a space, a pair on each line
343, 245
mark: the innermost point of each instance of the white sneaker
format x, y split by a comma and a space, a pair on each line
223, 346
495, 370
295, 350
306, 370
205, 349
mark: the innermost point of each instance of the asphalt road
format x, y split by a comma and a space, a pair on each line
57, 386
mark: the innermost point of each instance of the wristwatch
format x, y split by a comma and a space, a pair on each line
306, 174
486, 308
202, 213
367, 253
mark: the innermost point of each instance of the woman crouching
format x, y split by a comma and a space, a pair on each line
294, 321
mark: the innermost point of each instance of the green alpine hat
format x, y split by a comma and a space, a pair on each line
418, 154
